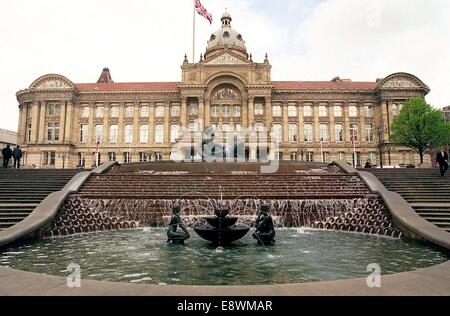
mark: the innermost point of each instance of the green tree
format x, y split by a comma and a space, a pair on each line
420, 127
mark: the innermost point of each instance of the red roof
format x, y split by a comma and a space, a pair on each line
137, 86
324, 85
279, 85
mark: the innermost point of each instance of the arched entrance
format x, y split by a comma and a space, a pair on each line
226, 108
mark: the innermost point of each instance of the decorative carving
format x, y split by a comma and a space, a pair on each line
226, 59
225, 94
401, 82
53, 84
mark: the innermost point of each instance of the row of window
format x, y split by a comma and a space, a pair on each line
277, 111
175, 111
277, 132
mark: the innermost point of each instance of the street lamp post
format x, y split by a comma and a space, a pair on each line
64, 156
381, 143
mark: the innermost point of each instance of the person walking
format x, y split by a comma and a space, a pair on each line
369, 164
7, 154
442, 160
17, 155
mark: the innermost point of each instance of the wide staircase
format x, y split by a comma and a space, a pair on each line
22, 190
423, 189
196, 182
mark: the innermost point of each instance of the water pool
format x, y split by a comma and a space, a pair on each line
144, 257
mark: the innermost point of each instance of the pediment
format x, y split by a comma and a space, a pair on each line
52, 82
227, 59
402, 81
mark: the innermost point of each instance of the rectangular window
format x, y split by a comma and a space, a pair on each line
49, 132
292, 111
99, 112
259, 109
307, 111
49, 158
353, 111
143, 134
98, 134
126, 157
128, 134
175, 111
193, 109
159, 111
53, 110
309, 157
129, 111
85, 112
324, 133
369, 133
368, 111
323, 111
29, 133
293, 133
145, 111
339, 133
84, 134
337, 111
143, 157
294, 156
277, 133
237, 111
226, 111
277, 111
159, 134
215, 111
113, 134
112, 156
114, 112
308, 133
174, 133
354, 132
341, 156
81, 160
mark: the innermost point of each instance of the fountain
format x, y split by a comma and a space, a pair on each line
221, 229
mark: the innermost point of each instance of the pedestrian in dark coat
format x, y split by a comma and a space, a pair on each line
442, 160
7, 154
17, 155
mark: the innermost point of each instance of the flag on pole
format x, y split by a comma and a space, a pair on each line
201, 10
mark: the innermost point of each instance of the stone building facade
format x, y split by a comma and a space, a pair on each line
64, 124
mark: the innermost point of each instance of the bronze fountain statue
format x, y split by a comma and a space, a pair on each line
175, 236
265, 230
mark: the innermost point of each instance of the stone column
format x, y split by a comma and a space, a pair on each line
62, 123
121, 126
207, 113
385, 120
269, 114
244, 114
69, 121
301, 125
34, 122
316, 124
285, 129
362, 125
331, 116
22, 129
184, 115
201, 111
251, 111
347, 133
91, 130
42, 116
167, 122
136, 126
106, 111
151, 123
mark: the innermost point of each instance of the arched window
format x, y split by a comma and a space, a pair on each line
225, 94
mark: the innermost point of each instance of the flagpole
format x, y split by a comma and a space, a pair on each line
193, 37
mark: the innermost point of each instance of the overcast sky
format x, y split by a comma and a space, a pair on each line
145, 40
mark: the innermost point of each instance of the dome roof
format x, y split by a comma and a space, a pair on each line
226, 35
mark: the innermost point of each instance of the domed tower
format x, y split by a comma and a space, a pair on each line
226, 38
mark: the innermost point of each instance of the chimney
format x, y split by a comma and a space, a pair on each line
105, 77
